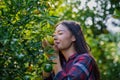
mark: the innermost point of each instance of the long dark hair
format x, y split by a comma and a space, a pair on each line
80, 44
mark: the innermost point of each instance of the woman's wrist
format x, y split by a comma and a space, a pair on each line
57, 66
45, 74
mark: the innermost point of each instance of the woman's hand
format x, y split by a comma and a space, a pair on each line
49, 49
46, 46
57, 66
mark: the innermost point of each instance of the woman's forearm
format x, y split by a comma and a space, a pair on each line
57, 67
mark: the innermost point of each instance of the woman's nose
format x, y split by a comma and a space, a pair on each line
55, 37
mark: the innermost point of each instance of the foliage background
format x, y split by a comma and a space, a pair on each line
23, 23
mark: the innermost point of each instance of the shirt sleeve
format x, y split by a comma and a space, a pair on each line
80, 70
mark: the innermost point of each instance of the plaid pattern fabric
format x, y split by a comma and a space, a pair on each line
78, 67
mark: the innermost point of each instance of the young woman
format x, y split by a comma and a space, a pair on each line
74, 61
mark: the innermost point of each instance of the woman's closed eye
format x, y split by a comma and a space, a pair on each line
60, 33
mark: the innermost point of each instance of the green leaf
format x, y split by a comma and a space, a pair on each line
116, 13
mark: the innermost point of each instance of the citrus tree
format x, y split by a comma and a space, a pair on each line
23, 24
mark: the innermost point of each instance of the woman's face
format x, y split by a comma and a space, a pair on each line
63, 38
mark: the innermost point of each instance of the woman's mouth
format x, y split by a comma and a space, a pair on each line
56, 43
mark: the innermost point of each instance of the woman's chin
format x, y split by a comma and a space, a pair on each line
59, 48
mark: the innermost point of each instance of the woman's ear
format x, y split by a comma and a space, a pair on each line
73, 38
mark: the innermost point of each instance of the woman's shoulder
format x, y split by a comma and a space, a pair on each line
86, 57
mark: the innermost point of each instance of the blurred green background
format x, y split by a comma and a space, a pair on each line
23, 24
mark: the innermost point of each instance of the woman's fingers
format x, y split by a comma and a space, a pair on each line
45, 43
45, 74
55, 48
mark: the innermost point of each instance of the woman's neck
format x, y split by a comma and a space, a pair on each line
68, 52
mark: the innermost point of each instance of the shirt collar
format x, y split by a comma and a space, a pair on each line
72, 57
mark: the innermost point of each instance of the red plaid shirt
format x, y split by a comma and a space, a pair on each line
78, 67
